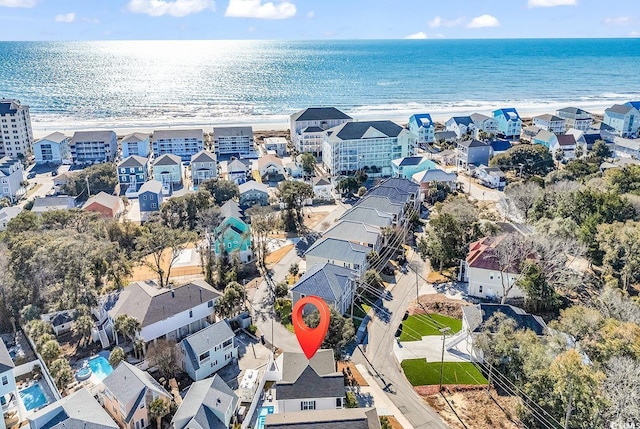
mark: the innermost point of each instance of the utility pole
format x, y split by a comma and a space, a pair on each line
88, 190
443, 331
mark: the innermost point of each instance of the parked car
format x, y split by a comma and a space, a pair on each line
31, 175
54, 172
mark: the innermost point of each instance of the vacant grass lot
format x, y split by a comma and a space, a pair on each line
422, 325
419, 372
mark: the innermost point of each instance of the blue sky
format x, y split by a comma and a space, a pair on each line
315, 19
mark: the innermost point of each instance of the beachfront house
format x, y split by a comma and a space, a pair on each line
181, 143
276, 144
485, 126
11, 179
133, 171
422, 125
231, 236
566, 144
170, 313
575, 118
150, 196
355, 146
93, 146
409, 165
498, 147
204, 166
203, 353
16, 137
232, 141
252, 193
108, 206
624, 119
53, 148
445, 137
308, 384
461, 125
167, 169
546, 139
209, 403
527, 134
481, 270
509, 122
334, 284
307, 127
548, 122
471, 153
340, 252
135, 144
128, 393
77, 410
8, 213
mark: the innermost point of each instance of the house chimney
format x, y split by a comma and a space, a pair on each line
200, 295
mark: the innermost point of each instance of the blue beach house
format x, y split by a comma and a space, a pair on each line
406, 167
135, 144
231, 236
623, 118
460, 125
150, 196
509, 122
422, 125
546, 139
132, 173
167, 169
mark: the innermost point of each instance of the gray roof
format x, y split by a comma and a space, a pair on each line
472, 143
150, 304
479, 117
315, 378
154, 186
319, 114
135, 137
353, 418
203, 156
312, 130
56, 137
549, 117
357, 232
444, 135
78, 410
573, 111
339, 250
621, 109
134, 161
434, 175
252, 185
232, 132
6, 363
60, 202
205, 340
230, 209
370, 216
204, 399
357, 130
128, 383
327, 281
104, 199
321, 181
381, 203
9, 213
544, 135
494, 171
238, 165
477, 315
196, 133
167, 159
92, 136
401, 184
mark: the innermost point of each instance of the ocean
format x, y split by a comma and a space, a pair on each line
162, 83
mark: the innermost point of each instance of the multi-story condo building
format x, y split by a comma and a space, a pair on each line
183, 143
232, 140
575, 118
11, 175
53, 148
308, 126
135, 144
372, 144
93, 146
509, 122
548, 122
16, 137
422, 125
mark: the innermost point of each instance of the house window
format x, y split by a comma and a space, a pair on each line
480, 289
307, 405
227, 343
144, 197
229, 245
210, 304
5, 380
154, 205
338, 402
190, 313
204, 356
141, 405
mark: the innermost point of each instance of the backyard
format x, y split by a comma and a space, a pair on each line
421, 325
419, 372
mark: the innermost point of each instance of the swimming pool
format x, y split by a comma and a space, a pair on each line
33, 397
263, 415
100, 367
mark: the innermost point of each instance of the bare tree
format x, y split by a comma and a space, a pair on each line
622, 389
522, 196
510, 253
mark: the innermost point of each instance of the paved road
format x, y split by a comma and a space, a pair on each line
381, 361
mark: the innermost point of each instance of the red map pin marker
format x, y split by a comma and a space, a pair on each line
310, 339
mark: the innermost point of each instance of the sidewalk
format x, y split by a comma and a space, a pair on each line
381, 402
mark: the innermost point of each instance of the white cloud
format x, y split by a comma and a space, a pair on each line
177, 8
256, 9
618, 20
418, 35
18, 3
311, 14
90, 20
66, 17
552, 3
634, 34
484, 21
437, 22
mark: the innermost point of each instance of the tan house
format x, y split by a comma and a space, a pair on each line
128, 392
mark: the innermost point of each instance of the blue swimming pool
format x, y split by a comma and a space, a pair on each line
100, 367
263, 415
33, 397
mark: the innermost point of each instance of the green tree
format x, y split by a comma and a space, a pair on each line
281, 290
128, 326
558, 155
100, 178
293, 194
372, 278
158, 408
308, 163
385, 423
116, 356
620, 245
441, 244
221, 190
82, 327
231, 302
29, 312
61, 373
532, 159
294, 269
600, 150
50, 351
340, 332
348, 185
540, 296
185, 211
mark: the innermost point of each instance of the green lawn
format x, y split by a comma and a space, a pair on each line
419, 372
283, 308
418, 326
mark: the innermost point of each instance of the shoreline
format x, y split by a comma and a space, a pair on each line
279, 123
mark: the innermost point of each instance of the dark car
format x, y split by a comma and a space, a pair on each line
31, 175
54, 172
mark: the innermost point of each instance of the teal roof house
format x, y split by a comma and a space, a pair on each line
422, 125
233, 235
409, 165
